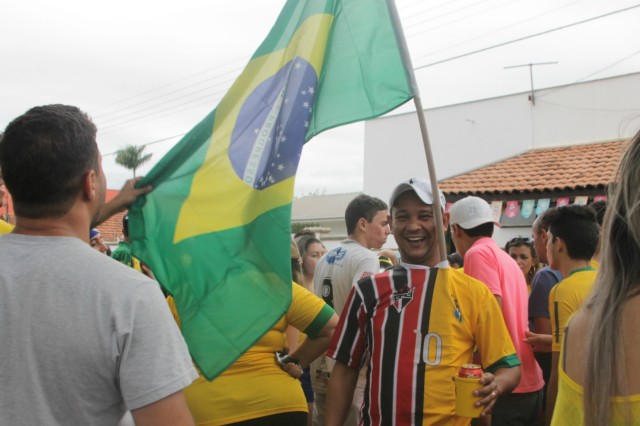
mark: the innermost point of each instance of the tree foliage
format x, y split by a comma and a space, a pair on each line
131, 157
299, 226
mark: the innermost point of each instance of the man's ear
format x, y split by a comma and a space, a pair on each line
445, 220
543, 236
90, 186
362, 224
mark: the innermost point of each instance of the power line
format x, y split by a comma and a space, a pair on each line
613, 64
149, 143
138, 111
526, 37
122, 111
531, 18
171, 83
465, 7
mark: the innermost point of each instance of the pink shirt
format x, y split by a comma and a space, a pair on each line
485, 261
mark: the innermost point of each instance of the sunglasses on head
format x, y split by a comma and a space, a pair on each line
519, 240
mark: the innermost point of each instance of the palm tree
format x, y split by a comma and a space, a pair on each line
131, 157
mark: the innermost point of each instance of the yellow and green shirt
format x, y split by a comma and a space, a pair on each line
255, 385
566, 298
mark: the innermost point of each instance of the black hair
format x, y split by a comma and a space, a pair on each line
44, 155
575, 225
363, 206
455, 258
600, 207
482, 230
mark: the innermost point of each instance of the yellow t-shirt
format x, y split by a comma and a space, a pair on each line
5, 227
569, 409
566, 298
424, 328
255, 385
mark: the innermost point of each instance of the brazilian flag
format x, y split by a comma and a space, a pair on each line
216, 228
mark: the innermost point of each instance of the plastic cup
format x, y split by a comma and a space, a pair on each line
465, 398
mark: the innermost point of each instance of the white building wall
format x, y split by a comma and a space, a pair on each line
467, 136
474, 134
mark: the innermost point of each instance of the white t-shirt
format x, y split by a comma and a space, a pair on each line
336, 272
84, 338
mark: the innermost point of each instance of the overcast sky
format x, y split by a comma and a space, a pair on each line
148, 71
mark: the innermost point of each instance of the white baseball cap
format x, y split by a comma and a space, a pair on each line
471, 212
421, 187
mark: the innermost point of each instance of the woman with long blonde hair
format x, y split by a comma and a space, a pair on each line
600, 362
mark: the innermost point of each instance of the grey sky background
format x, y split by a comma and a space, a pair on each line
148, 71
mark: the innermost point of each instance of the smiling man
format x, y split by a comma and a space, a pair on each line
413, 326
367, 221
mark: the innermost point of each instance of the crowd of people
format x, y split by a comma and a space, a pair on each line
371, 337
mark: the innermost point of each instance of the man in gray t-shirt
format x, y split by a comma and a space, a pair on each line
84, 338
367, 220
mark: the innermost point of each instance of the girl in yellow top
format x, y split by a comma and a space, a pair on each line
600, 365
257, 390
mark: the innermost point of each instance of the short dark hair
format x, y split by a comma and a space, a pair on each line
575, 225
362, 206
540, 224
600, 207
455, 258
44, 155
482, 230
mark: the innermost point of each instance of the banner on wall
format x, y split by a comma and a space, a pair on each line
496, 210
512, 209
581, 200
515, 216
527, 208
543, 205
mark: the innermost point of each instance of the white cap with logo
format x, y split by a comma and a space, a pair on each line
471, 212
421, 187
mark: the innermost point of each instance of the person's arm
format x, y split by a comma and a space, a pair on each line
552, 387
124, 199
169, 411
503, 381
542, 325
311, 349
342, 384
538, 342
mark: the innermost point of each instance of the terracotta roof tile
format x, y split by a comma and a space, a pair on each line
549, 169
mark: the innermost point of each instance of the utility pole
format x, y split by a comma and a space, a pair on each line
531, 65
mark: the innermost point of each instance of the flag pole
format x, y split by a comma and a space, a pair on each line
437, 207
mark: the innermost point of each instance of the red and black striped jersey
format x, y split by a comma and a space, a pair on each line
419, 325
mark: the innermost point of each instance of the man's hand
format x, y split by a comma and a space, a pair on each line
489, 393
539, 342
503, 381
294, 370
127, 195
